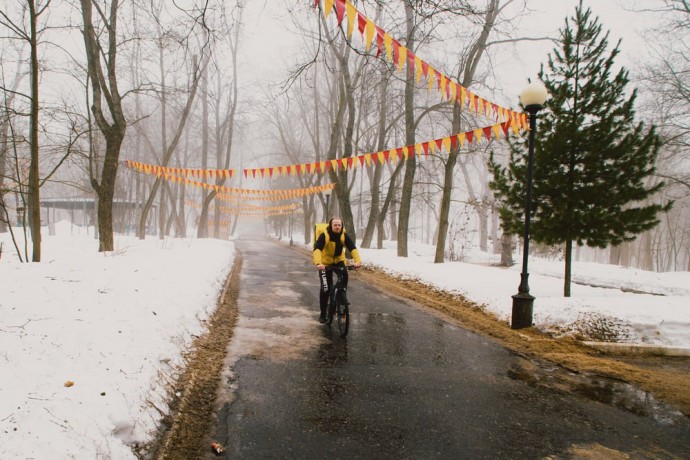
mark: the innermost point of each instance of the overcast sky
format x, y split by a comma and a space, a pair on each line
271, 41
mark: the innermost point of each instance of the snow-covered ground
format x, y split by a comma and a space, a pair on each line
87, 340
608, 302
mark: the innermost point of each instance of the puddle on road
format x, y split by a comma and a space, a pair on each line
605, 390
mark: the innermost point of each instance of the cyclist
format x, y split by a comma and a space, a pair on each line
329, 252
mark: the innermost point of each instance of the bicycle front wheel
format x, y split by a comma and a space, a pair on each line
343, 314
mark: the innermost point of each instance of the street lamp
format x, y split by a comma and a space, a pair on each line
532, 98
328, 196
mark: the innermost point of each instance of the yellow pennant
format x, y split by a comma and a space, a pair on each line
388, 43
497, 131
446, 144
442, 87
461, 139
478, 135
328, 6
351, 16
402, 57
514, 127
369, 30
430, 76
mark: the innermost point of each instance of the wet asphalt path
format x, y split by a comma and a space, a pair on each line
405, 384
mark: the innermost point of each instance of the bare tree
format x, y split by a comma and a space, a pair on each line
34, 10
101, 45
9, 94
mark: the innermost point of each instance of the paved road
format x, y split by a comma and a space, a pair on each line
407, 384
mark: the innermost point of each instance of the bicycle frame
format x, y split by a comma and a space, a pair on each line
338, 304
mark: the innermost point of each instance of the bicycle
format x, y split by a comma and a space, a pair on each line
338, 305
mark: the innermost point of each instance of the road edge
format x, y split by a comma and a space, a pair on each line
192, 396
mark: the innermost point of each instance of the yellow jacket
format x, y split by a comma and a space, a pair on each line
325, 249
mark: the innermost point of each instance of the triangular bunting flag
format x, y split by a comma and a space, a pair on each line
327, 7
369, 34
361, 24
379, 40
402, 57
351, 16
388, 43
446, 144
505, 126
340, 10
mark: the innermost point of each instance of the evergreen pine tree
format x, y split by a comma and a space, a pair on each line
591, 159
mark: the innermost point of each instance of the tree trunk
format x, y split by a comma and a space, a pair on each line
378, 168
483, 218
568, 268
507, 250
202, 230
173, 145
411, 164
34, 191
4, 145
113, 127
615, 255
469, 69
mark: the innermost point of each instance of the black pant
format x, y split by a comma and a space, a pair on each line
326, 279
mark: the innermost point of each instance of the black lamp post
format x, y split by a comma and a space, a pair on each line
532, 98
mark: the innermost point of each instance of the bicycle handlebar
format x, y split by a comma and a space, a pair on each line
336, 267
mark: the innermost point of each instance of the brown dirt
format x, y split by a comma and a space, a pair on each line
192, 397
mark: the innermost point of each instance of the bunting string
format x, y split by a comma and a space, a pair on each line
226, 197
399, 56
184, 172
282, 194
390, 155
251, 214
235, 209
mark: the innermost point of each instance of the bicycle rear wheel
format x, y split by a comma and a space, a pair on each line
343, 314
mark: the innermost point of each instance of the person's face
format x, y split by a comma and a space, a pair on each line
337, 225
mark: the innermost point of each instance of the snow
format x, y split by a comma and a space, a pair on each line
116, 325
640, 307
